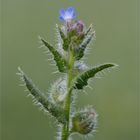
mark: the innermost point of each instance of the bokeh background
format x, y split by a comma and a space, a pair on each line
115, 96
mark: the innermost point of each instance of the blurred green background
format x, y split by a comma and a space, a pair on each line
115, 96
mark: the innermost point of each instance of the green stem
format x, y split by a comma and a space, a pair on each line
67, 102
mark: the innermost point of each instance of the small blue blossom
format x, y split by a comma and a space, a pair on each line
67, 15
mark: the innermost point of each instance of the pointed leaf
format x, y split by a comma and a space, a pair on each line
64, 39
41, 99
88, 30
89, 35
60, 62
82, 79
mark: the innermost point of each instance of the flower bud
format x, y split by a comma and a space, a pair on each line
74, 28
79, 67
84, 122
78, 26
58, 91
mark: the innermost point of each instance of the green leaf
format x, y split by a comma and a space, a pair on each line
89, 35
64, 39
90, 28
82, 79
41, 99
60, 62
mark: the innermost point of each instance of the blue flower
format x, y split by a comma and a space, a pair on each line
67, 15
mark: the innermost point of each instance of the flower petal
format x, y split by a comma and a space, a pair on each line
67, 15
74, 15
61, 18
70, 10
62, 12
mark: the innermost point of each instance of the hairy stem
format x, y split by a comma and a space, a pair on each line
67, 102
